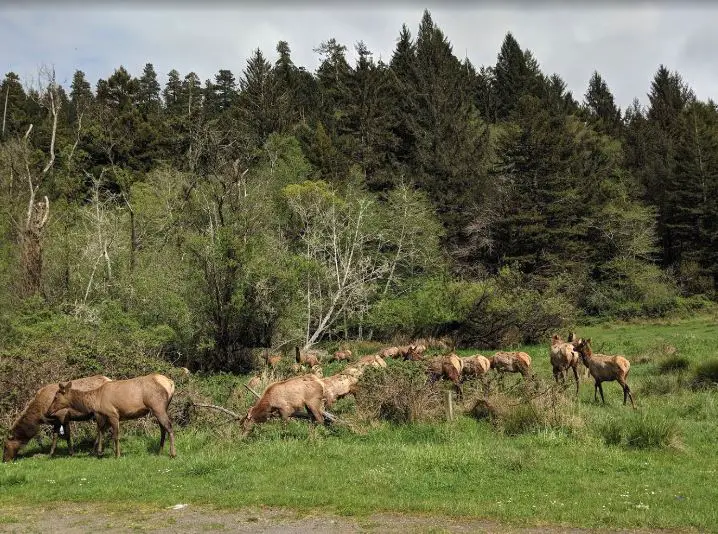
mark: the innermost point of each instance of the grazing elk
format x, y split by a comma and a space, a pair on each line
286, 397
339, 385
475, 366
448, 367
605, 369
120, 400
310, 358
563, 357
341, 355
36, 413
272, 360
511, 362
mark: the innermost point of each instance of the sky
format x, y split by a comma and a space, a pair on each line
624, 41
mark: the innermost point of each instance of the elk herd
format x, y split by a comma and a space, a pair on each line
110, 401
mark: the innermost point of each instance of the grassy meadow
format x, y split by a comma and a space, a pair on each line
587, 466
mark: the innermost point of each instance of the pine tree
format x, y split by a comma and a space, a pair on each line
14, 103
80, 96
148, 92
516, 74
259, 105
601, 107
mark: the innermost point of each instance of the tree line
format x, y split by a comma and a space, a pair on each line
423, 196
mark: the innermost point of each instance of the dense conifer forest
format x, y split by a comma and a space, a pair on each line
200, 221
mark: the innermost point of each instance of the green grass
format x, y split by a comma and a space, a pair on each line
653, 468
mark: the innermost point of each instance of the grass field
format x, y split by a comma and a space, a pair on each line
610, 466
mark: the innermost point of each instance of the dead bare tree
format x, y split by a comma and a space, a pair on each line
37, 213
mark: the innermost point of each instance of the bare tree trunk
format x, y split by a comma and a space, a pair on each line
4, 113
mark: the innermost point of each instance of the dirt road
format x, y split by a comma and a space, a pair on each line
74, 518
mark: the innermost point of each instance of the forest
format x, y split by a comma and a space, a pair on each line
202, 222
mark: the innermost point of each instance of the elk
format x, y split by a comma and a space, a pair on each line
563, 357
339, 385
309, 358
120, 400
286, 397
511, 362
475, 366
449, 367
390, 352
272, 360
373, 360
36, 413
605, 369
341, 355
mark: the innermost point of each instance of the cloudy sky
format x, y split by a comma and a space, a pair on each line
624, 42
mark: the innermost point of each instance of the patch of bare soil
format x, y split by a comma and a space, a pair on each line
74, 518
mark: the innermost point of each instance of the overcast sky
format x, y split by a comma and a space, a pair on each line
624, 43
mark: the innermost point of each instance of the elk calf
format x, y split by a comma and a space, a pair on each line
309, 358
121, 400
605, 369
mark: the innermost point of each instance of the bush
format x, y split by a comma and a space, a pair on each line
399, 394
706, 374
529, 412
664, 384
514, 309
641, 431
673, 364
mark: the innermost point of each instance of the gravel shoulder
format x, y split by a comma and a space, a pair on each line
72, 518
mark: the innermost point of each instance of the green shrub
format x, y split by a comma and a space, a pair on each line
399, 393
674, 363
640, 431
706, 374
664, 384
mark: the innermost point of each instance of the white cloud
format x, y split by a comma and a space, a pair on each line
625, 45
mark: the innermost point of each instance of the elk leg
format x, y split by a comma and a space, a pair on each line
595, 391
600, 389
55, 432
575, 375
627, 393
68, 438
166, 428
316, 413
115, 427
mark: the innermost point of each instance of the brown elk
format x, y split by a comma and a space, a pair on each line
390, 352
373, 360
475, 366
563, 357
120, 400
605, 369
339, 385
36, 413
341, 355
272, 360
286, 397
448, 367
310, 358
511, 362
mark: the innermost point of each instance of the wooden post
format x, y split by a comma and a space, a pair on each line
450, 405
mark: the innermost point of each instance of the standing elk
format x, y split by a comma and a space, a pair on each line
605, 369
120, 400
286, 397
36, 413
563, 357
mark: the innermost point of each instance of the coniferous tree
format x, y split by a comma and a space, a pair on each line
601, 108
148, 91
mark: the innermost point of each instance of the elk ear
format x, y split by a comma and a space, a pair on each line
65, 387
